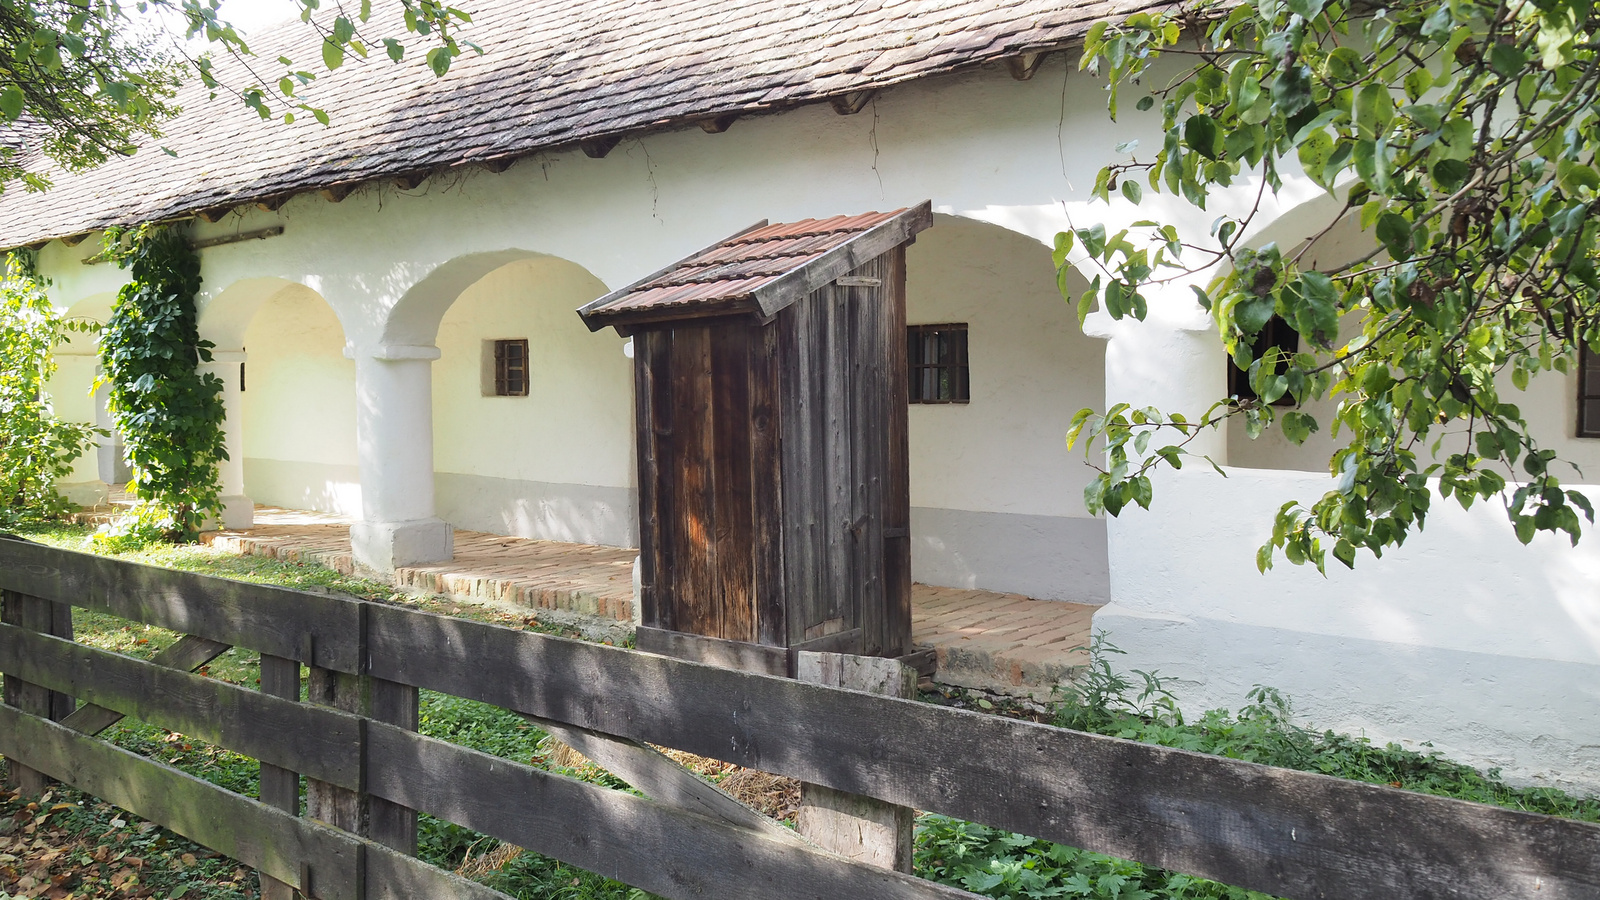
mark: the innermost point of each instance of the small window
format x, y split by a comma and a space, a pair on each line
1588, 392
506, 368
937, 360
1276, 333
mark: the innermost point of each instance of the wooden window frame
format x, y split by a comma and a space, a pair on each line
504, 374
1276, 333
1588, 400
946, 379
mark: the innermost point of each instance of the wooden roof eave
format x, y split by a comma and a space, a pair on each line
597, 320
626, 320
789, 288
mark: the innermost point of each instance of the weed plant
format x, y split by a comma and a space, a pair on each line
1139, 706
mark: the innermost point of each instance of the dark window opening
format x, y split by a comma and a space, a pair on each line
241, 378
1588, 392
936, 357
1276, 333
511, 368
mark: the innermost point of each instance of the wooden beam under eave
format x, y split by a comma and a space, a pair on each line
1025, 65
717, 124
73, 240
852, 102
500, 165
410, 181
597, 148
214, 214
272, 204
333, 193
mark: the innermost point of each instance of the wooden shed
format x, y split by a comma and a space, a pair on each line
770, 399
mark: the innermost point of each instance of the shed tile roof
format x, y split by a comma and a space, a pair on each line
555, 73
734, 275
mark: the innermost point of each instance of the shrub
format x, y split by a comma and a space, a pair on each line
36, 448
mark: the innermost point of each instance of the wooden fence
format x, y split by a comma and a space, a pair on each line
1282, 832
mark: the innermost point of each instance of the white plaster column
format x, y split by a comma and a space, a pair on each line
394, 444
238, 510
70, 397
1172, 361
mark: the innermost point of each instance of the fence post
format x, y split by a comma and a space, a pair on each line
864, 829
45, 616
358, 812
280, 787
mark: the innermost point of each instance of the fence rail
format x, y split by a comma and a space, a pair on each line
1277, 831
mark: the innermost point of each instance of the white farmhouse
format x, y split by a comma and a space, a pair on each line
401, 344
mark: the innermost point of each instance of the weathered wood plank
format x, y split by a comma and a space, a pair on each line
21, 611
1281, 832
269, 619
690, 489
897, 475
856, 827
347, 805
251, 832
392, 875
635, 840
280, 787
740, 655
732, 588
286, 733
766, 489
647, 359
663, 780
186, 655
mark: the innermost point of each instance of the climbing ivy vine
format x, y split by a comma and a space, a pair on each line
170, 416
36, 448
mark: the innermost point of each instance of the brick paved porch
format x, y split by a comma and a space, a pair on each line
983, 639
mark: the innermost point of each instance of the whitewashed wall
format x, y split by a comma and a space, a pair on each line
299, 407
1463, 637
997, 499
558, 463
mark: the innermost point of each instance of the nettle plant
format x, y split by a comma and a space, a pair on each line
36, 447
1462, 136
170, 416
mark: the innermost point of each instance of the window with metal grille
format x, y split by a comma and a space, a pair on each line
936, 357
511, 368
1276, 333
1588, 392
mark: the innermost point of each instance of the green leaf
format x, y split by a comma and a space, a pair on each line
11, 102
439, 60
1132, 191
1316, 148
332, 55
1394, 232
1374, 110
1507, 59
1200, 134
395, 49
1450, 174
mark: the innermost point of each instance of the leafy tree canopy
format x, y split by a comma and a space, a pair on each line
1461, 135
83, 80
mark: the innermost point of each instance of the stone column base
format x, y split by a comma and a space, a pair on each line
386, 546
238, 513
87, 494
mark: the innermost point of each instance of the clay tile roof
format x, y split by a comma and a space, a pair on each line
759, 270
555, 73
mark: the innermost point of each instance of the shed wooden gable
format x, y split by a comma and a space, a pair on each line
758, 271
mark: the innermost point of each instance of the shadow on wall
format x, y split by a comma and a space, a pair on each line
1463, 637
545, 452
996, 496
